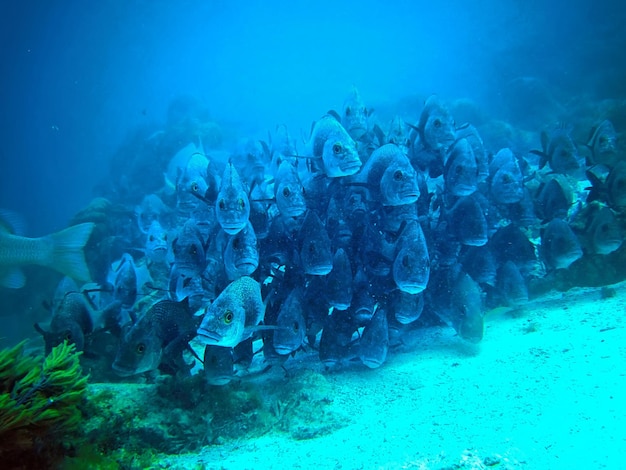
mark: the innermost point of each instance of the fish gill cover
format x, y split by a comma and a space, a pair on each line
297, 185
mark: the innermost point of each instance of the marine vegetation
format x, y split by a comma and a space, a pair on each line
39, 399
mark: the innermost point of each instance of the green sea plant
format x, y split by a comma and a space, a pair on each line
39, 397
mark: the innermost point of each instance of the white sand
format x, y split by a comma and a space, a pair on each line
544, 390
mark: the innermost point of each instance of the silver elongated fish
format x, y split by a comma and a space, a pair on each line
61, 251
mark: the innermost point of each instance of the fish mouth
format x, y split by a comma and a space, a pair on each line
408, 197
464, 190
412, 288
475, 241
247, 267
294, 211
350, 167
372, 363
160, 249
233, 229
122, 371
341, 306
209, 337
219, 380
319, 270
283, 350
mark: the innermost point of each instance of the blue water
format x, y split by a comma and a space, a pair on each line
81, 80
77, 76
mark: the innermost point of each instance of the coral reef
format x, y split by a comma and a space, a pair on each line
39, 401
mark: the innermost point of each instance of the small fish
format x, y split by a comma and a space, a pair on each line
436, 126
219, 365
315, 253
602, 234
603, 143
506, 178
241, 255
554, 199
156, 248
288, 191
511, 285
560, 152
339, 284
291, 327
470, 133
406, 307
71, 321
461, 171
232, 207
390, 177
398, 134
189, 250
467, 221
608, 185
191, 185
559, 246
161, 334
61, 251
411, 267
151, 209
355, 115
374, 342
234, 314
331, 144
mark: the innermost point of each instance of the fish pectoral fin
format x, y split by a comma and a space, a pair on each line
12, 277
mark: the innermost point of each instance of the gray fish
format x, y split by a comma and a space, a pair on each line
406, 307
241, 255
156, 248
234, 314
151, 209
602, 234
553, 199
189, 250
398, 134
560, 152
467, 221
160, 334
436, 126
507, 180
288, 191
71, 321
219, 364
559, 246
315, 254
191, 185
374, 342
480, 263
510, 243
411, 267
457, 301
603, 143
470, 133
608, 185
355, 114
390, 177
511, 285
461, 171
331, 144
232, 207
291, 327
61, 251
339, 284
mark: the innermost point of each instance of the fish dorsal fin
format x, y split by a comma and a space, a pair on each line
11, 222
334, 114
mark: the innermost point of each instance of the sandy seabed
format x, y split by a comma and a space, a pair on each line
544, 390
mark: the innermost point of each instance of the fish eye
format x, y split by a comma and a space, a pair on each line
337, 149
141, 348
236, 243
222, 204
397, 175
68, 336
286, 191
405, 261
563, 153
193, 249
604, 228
241, 203
194, 187
437, 123
228, 317
296, 326
348, 111
165, 237
151, 238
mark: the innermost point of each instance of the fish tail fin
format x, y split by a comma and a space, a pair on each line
67, 253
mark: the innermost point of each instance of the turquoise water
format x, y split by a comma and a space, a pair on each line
513, 364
